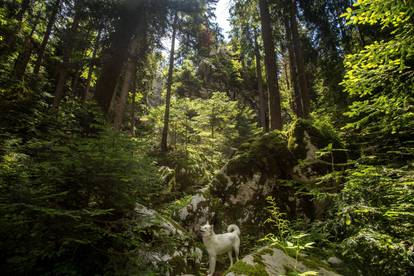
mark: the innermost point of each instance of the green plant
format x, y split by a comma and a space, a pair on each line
277, 219
379, 80
285, 238
204, 133
68, 196
298, 245
374, 219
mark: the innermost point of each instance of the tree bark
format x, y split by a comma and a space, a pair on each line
85, 95
134, 94
164, 138
24, 7
24, 56
23, 59
46, 36
297, 98
271, 67
67, 52
262, 98
303, 83
10, 42
130, 70
116, 55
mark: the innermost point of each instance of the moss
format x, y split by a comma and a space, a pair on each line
321, 135
265, 251
172, 208
241, 267
220, 178
312, 262
257, 259
219, 186
268, 153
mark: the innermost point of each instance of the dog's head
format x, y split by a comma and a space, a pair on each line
206, 230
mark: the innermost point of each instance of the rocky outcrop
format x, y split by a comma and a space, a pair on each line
165, 246
317, 148
276, 165
275, 262
238, 192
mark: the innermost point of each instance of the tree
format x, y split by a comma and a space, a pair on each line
10, 42
262, 98
54, 10
326, 50
164, 138
92, 64
131, 15
69, 44
271, 67
380, 78
137, 51
297, 65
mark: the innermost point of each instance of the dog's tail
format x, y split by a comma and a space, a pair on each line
233, 228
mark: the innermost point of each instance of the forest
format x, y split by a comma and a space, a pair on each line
126, 125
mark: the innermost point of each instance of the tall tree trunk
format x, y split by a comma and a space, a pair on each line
169, 84
24, 7
67, 53
271, 67
262, 98
117, 53
11, 40
297, 98
130, 70
76, 76
303, 83
46, 36
23, 58
134, 94
92, 62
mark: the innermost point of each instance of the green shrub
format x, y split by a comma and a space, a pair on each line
375, 222
376, 253
66, 195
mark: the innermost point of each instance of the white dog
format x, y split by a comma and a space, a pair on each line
220, 244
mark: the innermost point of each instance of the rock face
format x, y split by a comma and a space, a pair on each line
238, 192
274, 262
276, 165
165, 245
306, 142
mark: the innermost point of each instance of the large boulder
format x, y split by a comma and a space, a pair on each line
165, 247
238, 192
276, 165
274, 262
317, 148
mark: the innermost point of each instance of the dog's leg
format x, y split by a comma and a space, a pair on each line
231, 258
212, 265
236, 248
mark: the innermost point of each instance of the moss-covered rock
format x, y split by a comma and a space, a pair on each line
317, 148
274, 262
197, 211
272, 165
245, 269
164, 246
238, 192
269, 154
320, 135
